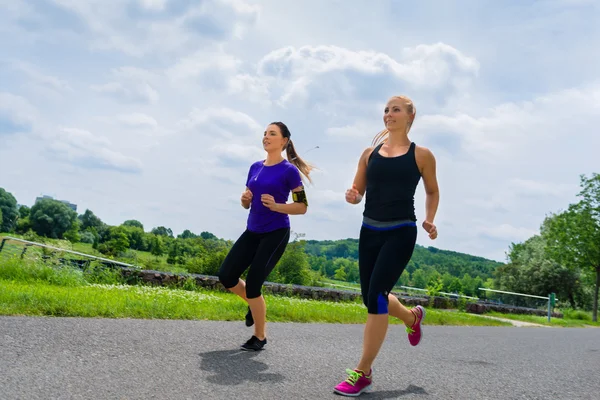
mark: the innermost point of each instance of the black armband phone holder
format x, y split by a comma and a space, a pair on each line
300, 197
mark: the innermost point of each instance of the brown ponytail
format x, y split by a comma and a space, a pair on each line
295, 159
292, 155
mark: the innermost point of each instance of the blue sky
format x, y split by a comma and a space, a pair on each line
154, 109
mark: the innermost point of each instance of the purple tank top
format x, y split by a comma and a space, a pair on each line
277, 180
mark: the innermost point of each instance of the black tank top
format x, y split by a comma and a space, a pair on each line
391, 186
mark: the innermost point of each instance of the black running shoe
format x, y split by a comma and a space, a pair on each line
254, 344
249, 319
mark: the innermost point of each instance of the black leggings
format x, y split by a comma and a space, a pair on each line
260, 251
382, 257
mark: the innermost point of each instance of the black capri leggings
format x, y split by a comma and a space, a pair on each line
260, 251
382, 256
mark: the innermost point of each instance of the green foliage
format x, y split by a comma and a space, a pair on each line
9, 212
531, 270
24, 211
207, 235
52, 218
134, 223
117, 241
162, 231
187, 234
573, 236
157, 246
89, 220
293, 266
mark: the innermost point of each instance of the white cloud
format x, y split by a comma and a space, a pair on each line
16, 113
35, 75
111, 28
138, 120
154, 5
226, 122
130, 85
89, 151
331, 72
507, 232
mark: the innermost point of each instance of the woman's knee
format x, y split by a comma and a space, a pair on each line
227, 279
377, 302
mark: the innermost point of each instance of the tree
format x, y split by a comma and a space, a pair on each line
293, 265
117, 241
157, 246
89, 220
207, 235
531, 270
24, 212
52, 218
573, 236
133, 223
187, 234
162, 231
10, 212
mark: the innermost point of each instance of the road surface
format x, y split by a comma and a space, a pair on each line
78, 358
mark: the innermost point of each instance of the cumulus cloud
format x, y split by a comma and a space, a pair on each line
326, 72
16, 114
224, 121
138, 120
130, 84
89, 151
163, 28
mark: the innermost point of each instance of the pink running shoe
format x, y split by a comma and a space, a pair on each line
356, 383
415, 333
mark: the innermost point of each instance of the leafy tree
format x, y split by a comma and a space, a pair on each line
89, 220
51, 218
134, 223
573, 236
162, 231
24, 212
136, 236
157, 246
293, 265
531, 270
187, 234
72, 235
117, 241
10, 212
207, 235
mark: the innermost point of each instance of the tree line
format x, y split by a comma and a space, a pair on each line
563, 258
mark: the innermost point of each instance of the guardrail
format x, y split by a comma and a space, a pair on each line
28, 244
551, 298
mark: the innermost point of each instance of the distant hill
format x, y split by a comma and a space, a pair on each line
425, 258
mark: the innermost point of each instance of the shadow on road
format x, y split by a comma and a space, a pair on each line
234, 367
394, 394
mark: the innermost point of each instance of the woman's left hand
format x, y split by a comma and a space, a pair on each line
269, 202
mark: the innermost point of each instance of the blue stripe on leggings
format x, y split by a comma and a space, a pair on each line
382, 304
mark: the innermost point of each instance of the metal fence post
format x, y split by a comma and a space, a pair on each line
2, 244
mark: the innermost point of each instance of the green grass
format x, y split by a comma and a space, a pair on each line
122, 301
572, 319
32, 287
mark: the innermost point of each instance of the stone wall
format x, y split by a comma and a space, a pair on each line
320, 293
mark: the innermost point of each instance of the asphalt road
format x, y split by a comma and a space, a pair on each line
76, 358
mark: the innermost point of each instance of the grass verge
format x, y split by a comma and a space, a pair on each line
565, 322
122, 301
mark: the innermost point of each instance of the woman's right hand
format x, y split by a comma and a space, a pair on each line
353, 196
246, 198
